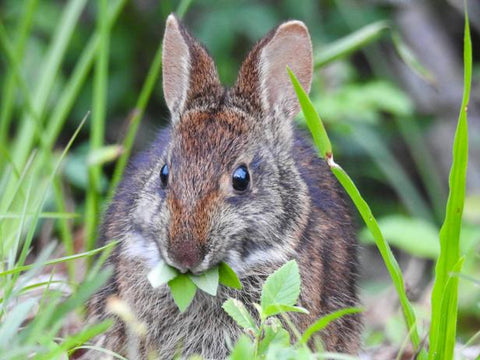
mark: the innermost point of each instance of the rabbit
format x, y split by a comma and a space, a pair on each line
231, 180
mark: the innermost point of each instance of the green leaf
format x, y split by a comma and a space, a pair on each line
14, 319
351, 43
279, 308
396, 175
282, 287
207, 281
409, 58
238, 312
183, 291
18, 269
73, 341
385, 250
324, 321
413, 235
273, 336
161, 274
104, 154
278, 351
228, 277
243, 349
319, 134
445, 295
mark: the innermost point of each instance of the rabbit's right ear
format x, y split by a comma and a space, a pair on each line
188, 70
263, 77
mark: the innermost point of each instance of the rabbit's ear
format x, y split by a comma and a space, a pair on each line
188, 70
263, 77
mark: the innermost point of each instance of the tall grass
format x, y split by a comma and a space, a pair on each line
449, 263
36, 298
445, 291
324, 147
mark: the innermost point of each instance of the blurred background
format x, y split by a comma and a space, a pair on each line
390, 106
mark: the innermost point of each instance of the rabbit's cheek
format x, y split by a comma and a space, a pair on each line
136, 246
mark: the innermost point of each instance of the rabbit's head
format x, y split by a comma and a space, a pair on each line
226, 187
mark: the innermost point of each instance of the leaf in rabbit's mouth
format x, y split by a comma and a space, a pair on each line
161, 274
184, 286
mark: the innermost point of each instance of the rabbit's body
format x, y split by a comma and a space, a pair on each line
195, 216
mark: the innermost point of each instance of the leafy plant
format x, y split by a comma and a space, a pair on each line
184, 286
267, 338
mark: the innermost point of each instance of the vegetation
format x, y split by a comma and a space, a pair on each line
67, 67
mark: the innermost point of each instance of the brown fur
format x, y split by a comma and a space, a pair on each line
293, 209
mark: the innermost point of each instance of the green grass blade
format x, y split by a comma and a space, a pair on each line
408, 57
136, 116
390, 262
393, 171
97, 128
63, 259
182, 8
14, 320
140, 106
8, 91
29, 237
8, 198
324, 321
423, 158
65, 230
43, 215
443, 327
75, 340
315, 125
48, 72
13, 63
351, 43
77, 79
385, 251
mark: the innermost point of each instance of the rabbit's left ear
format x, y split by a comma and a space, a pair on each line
188, 71
263, 77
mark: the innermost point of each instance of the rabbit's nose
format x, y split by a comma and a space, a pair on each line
186, 255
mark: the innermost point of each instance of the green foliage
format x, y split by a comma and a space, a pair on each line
268, 337
413, 235
319, 134
282, 287
228, 277
323, 322
183, 291
445, 288
243, 349
364, 103
161, 274
449, 263
390, 262
351, 43
237, 310
184, 286
207, 281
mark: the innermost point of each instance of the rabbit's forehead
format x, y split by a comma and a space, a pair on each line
216, 135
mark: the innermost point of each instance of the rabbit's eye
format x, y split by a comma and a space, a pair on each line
241, 178
164, 175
